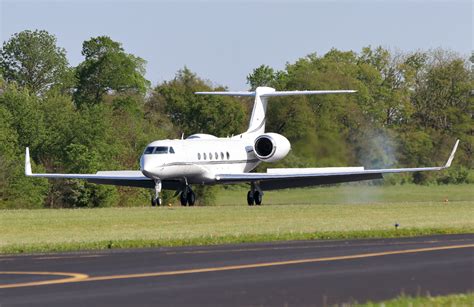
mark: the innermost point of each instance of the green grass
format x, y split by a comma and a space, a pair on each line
355, 194
327, 217
454, 300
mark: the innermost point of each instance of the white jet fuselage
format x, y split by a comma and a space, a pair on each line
199, 158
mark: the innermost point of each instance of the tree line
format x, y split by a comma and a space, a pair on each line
408, 110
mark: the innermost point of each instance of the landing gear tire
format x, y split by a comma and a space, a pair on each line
183, 198
155, 202
187, 197
250, 198
191, 197
258, 197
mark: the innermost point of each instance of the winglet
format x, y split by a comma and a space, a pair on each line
28, 171
451, 157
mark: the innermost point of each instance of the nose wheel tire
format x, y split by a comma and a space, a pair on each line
155, 201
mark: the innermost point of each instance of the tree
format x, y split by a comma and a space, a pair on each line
27, 119
33, 60
17, 191
192, 113
107, 68
8, 144
314, 124
444, 104
261, 76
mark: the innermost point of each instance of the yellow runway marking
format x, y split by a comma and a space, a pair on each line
67, 257
255, 249
71, 277
84, 278
277, 263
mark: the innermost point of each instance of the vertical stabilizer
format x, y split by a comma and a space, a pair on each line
258, 117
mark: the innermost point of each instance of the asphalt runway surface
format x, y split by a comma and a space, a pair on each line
296, 273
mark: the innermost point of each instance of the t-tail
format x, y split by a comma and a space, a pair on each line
261, 94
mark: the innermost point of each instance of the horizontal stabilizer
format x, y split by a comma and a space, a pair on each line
261, 94
226, 93
278, 93
291, 93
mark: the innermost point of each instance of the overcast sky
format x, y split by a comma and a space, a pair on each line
223, 41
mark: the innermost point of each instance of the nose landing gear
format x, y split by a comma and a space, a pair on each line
155, 199
255, 195
187, 197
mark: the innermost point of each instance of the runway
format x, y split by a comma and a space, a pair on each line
309, 273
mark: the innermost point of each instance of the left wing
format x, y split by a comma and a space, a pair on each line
303, 177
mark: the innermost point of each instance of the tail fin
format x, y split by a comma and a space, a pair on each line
258, 118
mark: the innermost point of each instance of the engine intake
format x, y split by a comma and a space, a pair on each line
264, 147
271, 147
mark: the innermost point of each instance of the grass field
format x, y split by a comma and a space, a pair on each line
321, 213
355, 194
454, 300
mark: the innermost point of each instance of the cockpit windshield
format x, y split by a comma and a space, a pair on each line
161, 150
149, 150
158, 150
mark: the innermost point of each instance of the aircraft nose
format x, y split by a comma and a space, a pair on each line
151, 166
147, 166
142, 162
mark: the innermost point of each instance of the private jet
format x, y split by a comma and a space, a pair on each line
204, 159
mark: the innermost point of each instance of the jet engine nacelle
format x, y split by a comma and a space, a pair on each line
271, 147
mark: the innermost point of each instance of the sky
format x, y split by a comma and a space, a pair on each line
223, 41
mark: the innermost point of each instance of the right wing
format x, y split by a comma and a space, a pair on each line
120, 178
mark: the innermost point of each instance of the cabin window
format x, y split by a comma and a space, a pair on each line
216, 155
171, 150
205, 157
161, 150
222, 155
228, 156
210, 156
199, 156
149, 150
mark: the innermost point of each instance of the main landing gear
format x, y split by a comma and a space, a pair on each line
255, 195
187, 197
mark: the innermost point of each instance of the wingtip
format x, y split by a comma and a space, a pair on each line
451, 156
28, 171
